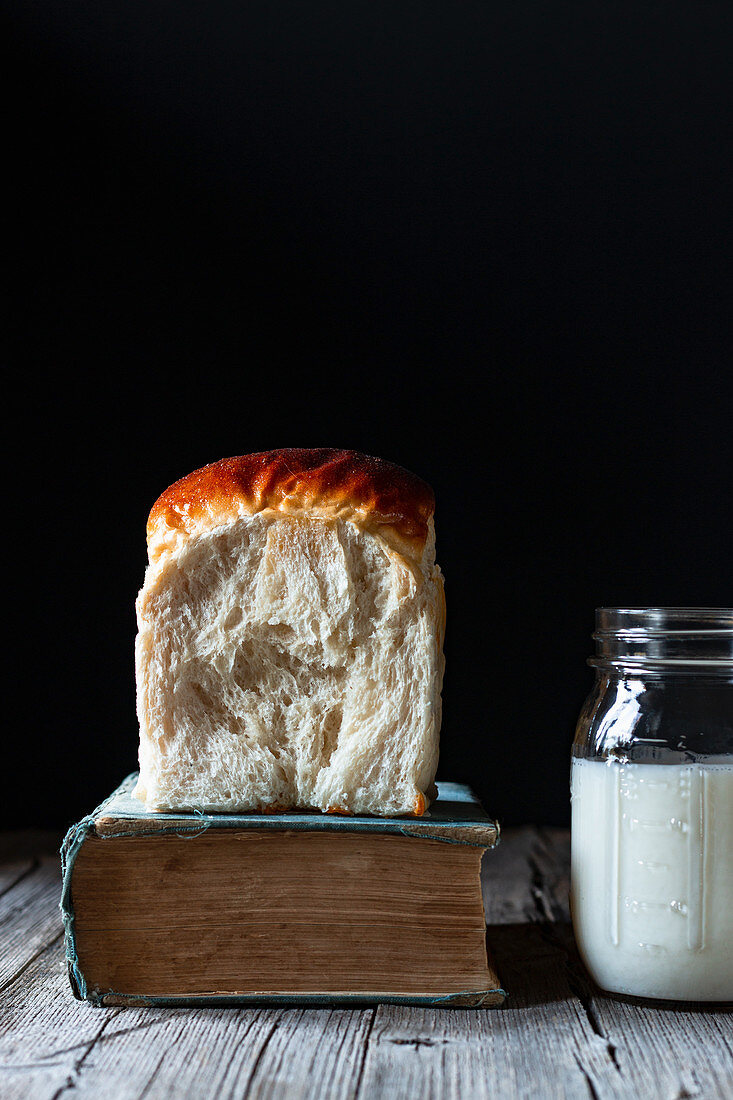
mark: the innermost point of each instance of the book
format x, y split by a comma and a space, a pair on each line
293, 908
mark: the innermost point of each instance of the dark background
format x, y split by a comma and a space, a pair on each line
490, 242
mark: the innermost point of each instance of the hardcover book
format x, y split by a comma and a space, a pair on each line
191, 908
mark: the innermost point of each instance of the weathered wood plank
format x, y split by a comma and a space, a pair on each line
13, 871
164, 1053
673, 1051
51, 1045
29, 917
253, 1053
665, 1052
21, 853
551, 1039
44, 1033
541, 1043
505, 878
531, 1051
557, 1036
527, 878
310, 1053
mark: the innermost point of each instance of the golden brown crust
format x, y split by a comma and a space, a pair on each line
369, 490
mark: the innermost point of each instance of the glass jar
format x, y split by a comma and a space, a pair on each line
652, 805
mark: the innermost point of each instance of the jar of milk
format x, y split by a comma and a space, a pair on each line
652, 805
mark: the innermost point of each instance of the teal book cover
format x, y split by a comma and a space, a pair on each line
199, 885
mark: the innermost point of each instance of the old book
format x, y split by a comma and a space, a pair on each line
188, 908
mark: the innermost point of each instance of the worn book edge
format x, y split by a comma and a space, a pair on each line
456, 817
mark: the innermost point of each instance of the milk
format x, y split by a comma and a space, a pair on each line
652, 877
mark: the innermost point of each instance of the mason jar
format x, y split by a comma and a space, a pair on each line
652, 805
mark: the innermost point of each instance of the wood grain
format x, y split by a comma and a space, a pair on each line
556, 1036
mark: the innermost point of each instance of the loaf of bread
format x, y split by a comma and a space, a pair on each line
290, 631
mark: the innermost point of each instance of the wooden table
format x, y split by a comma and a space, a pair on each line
556, 1036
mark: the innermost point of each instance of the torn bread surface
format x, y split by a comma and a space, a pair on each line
289, 661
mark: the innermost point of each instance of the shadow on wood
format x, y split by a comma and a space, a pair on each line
532, 962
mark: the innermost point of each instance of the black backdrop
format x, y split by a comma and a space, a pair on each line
490, 242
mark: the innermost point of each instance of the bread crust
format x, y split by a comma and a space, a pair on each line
375, 494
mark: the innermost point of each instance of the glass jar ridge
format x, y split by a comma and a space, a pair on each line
652, 805
658, 637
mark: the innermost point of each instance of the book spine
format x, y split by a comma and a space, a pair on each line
70, 847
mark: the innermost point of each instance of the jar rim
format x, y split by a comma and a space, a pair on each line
612, 617
672, 636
